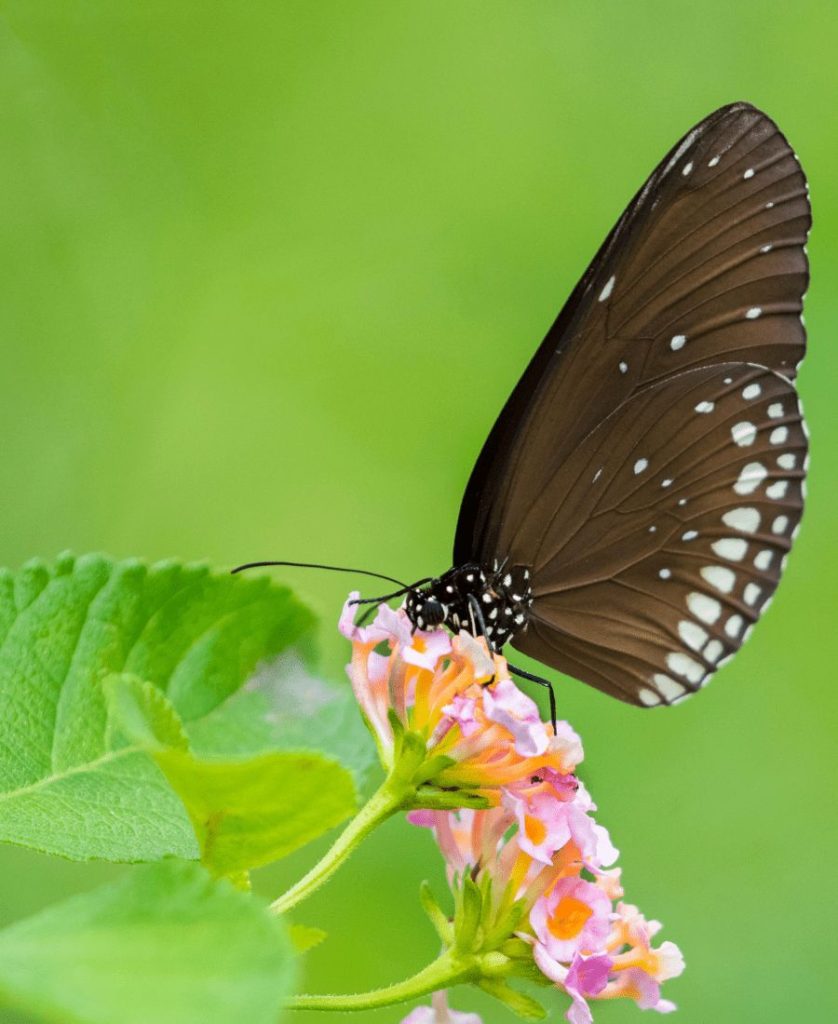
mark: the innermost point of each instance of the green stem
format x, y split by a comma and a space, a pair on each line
389, 798
447, 970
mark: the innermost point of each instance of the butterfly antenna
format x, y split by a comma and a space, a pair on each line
316, 565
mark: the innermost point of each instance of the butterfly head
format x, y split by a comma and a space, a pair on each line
425, 610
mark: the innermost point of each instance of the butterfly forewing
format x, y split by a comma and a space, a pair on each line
648, 467
707, 265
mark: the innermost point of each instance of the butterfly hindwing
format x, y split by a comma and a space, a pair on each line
676, 515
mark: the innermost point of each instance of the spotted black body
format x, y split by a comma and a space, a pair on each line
484, 600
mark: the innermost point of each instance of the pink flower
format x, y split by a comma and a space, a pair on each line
642, 988
573, 917
547, 821
440, 1013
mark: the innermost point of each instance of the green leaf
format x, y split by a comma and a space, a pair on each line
522, 1005
245, 812
442, 926
284, 707
303, 937
165, 944
67, 785
467, 915
141, 714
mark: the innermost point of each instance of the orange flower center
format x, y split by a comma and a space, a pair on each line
535, 829
569, 918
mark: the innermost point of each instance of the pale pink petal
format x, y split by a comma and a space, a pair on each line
670, 961
440, 1013
578, 1012
505, 704
372, 634
462, 711
424, 819
395, 625
643, 989
475, 652
420, 1015
609, 881
589, 974
549, 967
567, 744
434, 646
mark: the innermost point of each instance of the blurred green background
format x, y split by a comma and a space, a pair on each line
269, 272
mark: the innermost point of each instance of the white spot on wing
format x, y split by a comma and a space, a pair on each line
777, 490
670, 688
703, 607
780, 524
775, 410
732, 548
609, 287
752, 592
714, 161
750, 478
705, 407
751, 391
763, 559
786, 460
640, 465
753, 313
624, 367
689, 535
686, 169
683, 665
749, 173
679, 152
678, 342
779, 435
664, 573
743, 433
713, 651
745, 519
692, 634
733, 626
648, 697
720, 577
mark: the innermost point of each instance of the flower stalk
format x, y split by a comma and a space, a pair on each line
451, 968
391, 797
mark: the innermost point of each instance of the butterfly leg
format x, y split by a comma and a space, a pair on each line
541, 682
477, 620
478, 623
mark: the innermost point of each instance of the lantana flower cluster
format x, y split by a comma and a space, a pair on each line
480, 734
536, 894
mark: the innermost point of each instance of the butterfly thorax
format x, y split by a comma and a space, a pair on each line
475, 597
